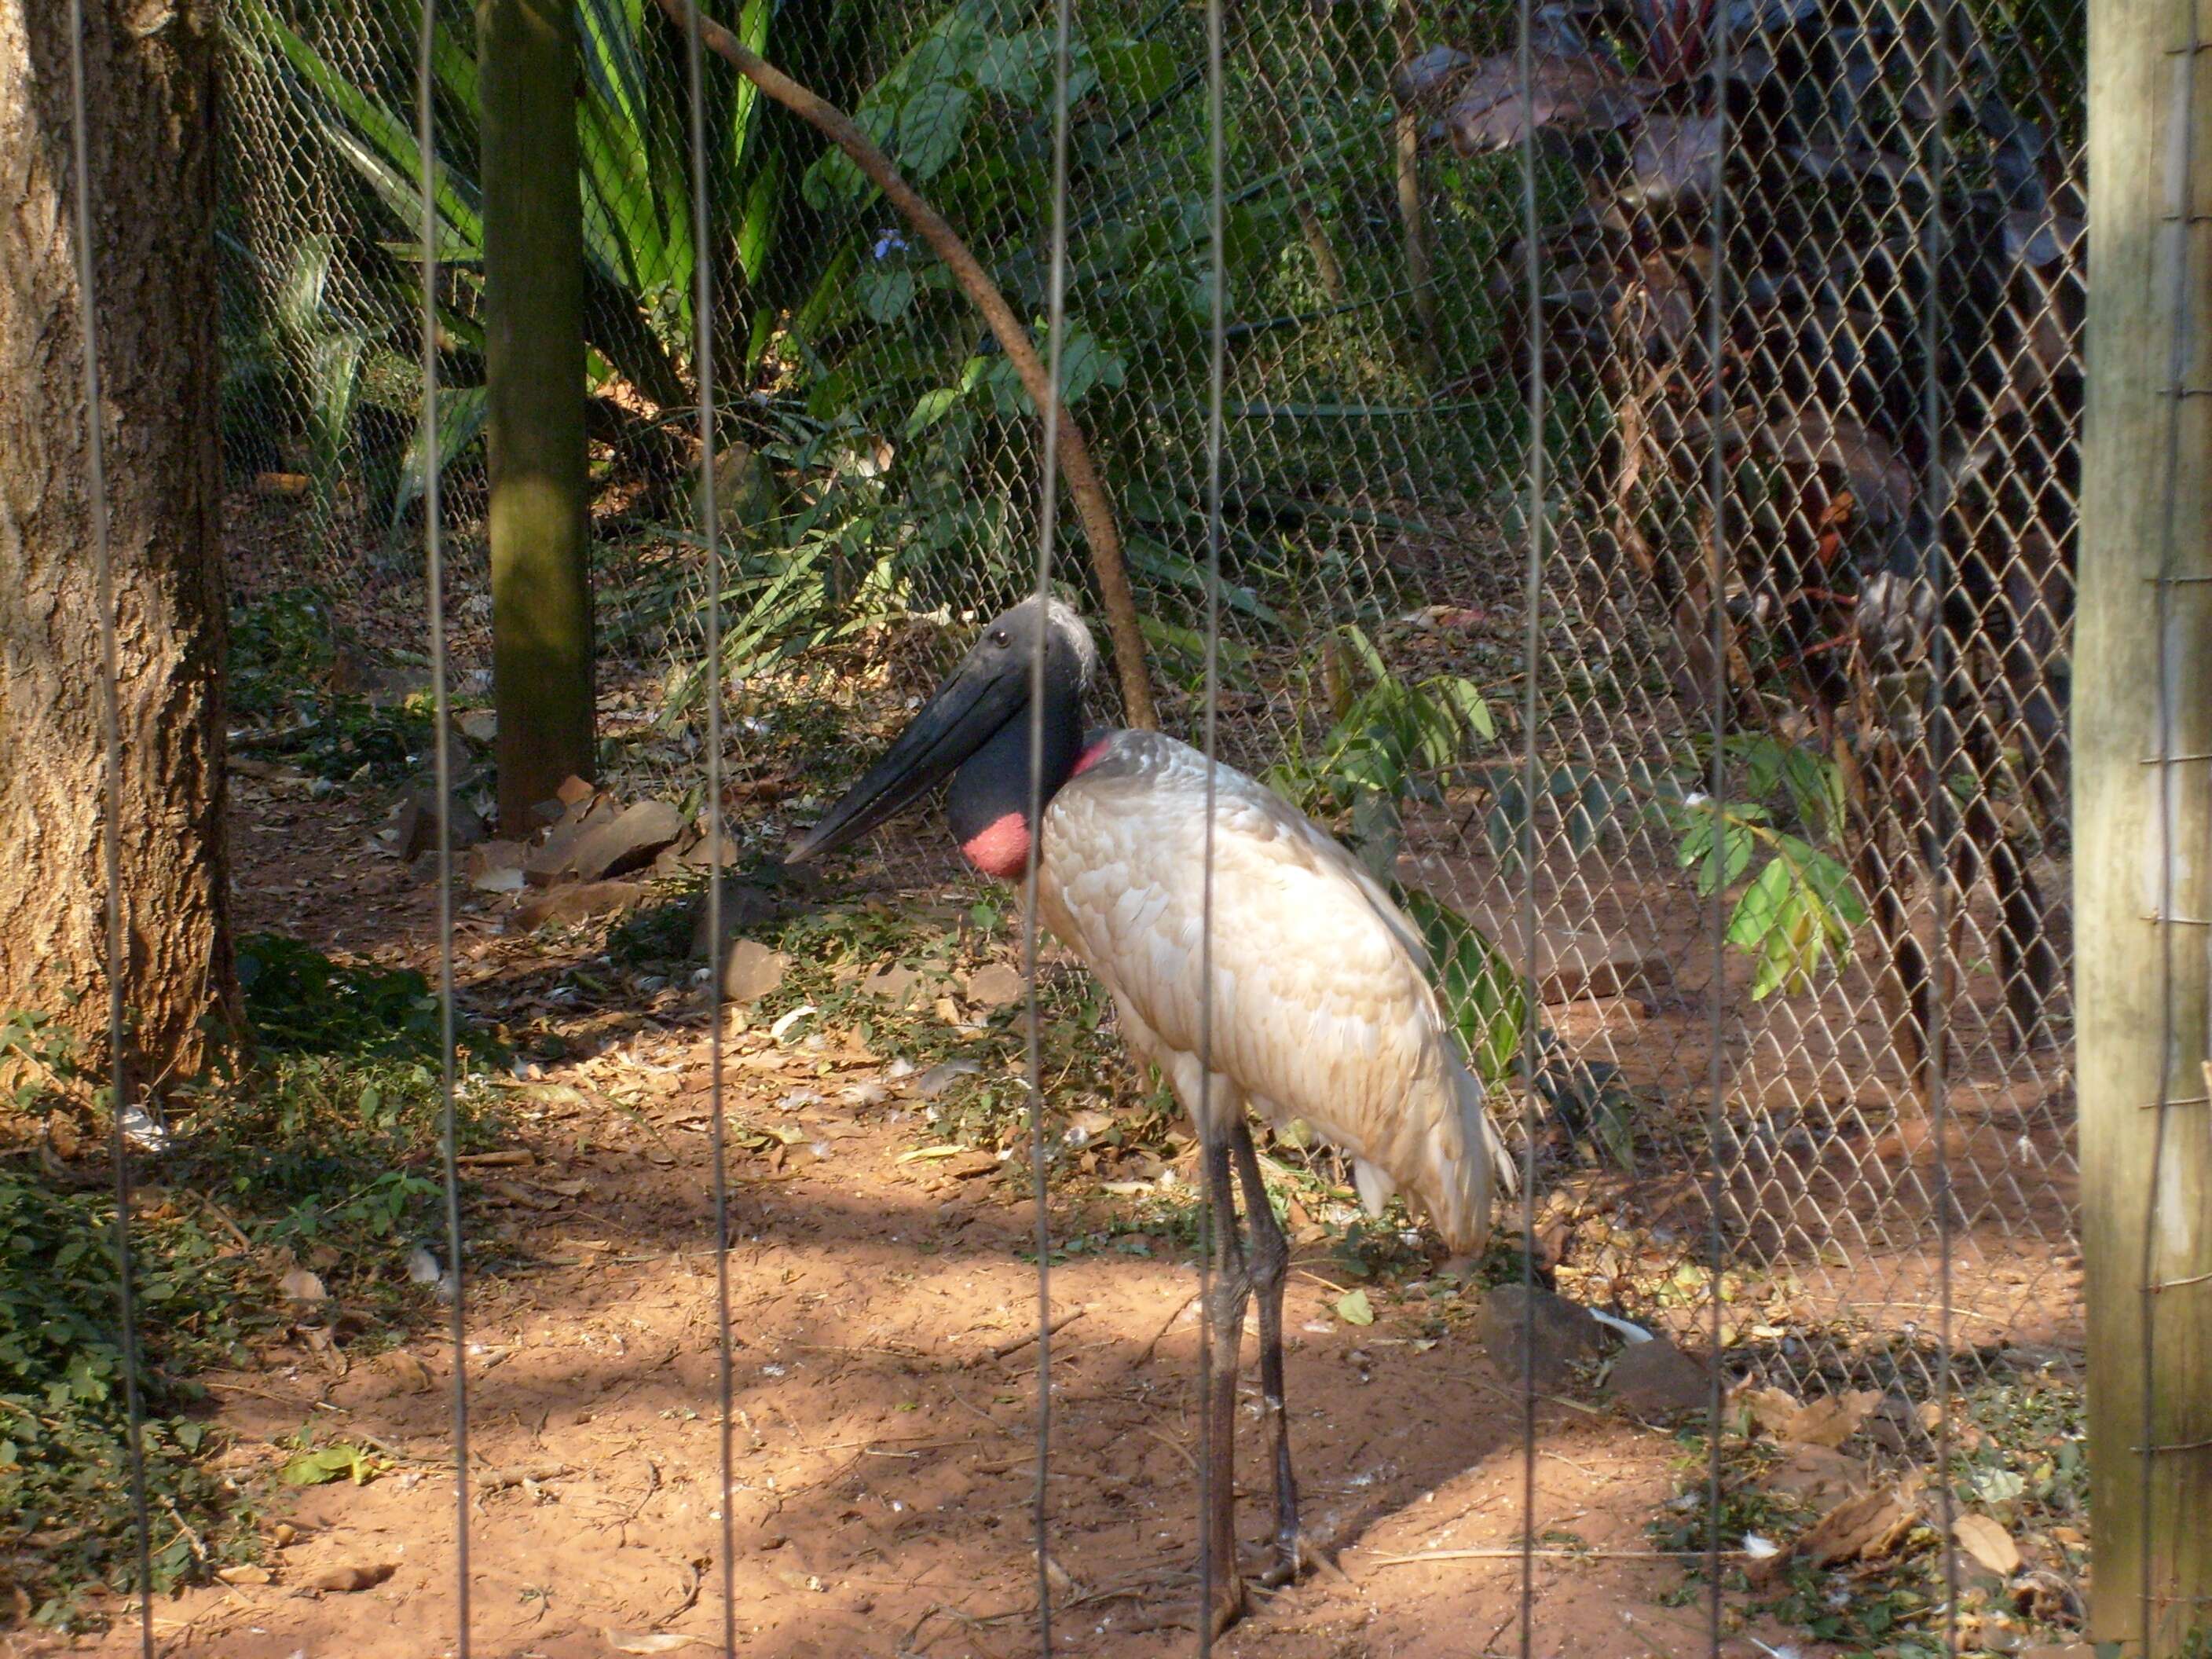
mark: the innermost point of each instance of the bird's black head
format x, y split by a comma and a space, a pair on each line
974, 724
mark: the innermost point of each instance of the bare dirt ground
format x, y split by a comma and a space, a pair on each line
883, 1392
883, 1302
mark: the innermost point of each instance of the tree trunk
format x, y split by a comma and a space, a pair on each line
2142, 883
150, 90
540, 577
1420, 271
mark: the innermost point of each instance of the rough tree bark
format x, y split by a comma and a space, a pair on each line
149, 68
541, 574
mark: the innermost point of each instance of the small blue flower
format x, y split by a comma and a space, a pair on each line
888, 243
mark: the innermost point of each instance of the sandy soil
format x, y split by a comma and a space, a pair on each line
884, 1398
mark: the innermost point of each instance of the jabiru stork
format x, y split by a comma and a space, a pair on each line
1323, 1007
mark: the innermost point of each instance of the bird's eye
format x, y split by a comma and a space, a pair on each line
998, 636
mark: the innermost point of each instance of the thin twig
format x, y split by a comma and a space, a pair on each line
1145, 1357
1514, 1552
1013, 1345
1551, 1399
184, 1526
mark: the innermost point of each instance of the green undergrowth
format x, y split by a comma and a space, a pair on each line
321, 1154
280, 682
67, 1529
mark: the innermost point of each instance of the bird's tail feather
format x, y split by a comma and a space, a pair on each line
1506, 1169
1474, 1098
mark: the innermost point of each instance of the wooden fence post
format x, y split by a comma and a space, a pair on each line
2143, 783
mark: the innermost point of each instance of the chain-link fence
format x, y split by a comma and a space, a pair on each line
1704, 385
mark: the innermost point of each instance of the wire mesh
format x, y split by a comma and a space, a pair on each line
116, 937
1643, 521
455, 1280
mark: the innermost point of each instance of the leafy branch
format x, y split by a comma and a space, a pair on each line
1797, 915
1388, 743
940, 121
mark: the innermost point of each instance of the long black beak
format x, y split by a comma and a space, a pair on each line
958, 720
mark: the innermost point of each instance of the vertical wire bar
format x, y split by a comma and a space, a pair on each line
703, 318
1533, 595
1047, 535
1717, 333
111, 829
2180, 199
1216, 374
1941, 737
434, 579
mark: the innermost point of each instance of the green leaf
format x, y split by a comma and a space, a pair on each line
1363, 648
1136, 71
1013, 66
931, 127
1353, 1309
887, 292
931, 408
1487, 1000
385, 150
835, 177
325, 1464
462, 412
1084, 364
1762, 906
1189, 644
1466, 700
1155, 559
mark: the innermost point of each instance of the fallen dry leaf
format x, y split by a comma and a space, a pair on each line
246, 1574
407, 1370
352, 1576
522, 1475
664, 1640
1769, 1408
300, 1285
1816, 1475
1825, 1422
513, 1193
1864, 1528
1988, 1542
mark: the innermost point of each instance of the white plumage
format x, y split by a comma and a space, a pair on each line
1323, 1007
1321, 1004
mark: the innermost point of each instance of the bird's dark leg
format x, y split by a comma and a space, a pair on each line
1270, 1265
1226, 1309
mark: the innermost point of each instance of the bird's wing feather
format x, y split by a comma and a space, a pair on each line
1322, 999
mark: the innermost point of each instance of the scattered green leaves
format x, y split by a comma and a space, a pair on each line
1390, 743
301, 1002
64, 1470
1796, 917
320, 1464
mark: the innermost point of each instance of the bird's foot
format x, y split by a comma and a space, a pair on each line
1229, 1602
1296, 1552
1229, 1605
